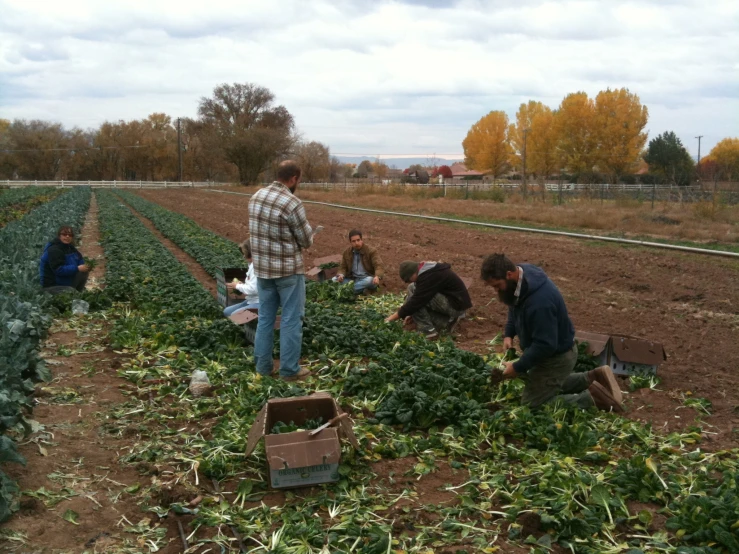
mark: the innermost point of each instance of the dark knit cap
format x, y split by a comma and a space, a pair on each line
407, 269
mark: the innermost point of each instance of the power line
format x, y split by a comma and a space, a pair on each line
77, 149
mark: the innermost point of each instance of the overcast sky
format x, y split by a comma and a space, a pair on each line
370, 77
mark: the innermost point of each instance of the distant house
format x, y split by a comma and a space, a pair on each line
394, 173
460, 171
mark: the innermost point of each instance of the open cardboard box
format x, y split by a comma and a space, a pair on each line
324, 274
625, 355
226, 275
298, 459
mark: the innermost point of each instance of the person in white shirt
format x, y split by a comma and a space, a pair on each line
248, 288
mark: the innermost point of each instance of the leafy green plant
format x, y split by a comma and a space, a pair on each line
23, 314
15, 203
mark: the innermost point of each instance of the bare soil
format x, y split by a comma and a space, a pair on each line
699, 221
688, 302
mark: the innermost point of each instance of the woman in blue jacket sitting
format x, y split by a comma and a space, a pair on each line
62, 267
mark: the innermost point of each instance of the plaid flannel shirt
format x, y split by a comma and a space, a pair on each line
278, 229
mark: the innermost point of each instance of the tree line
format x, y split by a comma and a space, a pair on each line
239, 135
592, 139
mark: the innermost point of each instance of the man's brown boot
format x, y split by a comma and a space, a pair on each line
603, 400
605, 377
299, 376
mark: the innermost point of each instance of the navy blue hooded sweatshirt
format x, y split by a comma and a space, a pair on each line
539, 319
59, 264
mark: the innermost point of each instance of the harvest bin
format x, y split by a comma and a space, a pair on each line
298, 459
226, 275
625, 355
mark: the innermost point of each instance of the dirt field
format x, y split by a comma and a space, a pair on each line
699, 222
688, 302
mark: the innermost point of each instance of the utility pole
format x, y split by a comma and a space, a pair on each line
698, 167
523, 182
699, 137
179, 147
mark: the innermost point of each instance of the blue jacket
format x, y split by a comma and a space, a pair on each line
59, 264
539, 319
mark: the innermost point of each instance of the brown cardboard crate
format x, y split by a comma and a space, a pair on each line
625, 355
298, 459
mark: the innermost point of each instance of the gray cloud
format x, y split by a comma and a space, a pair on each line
390, 75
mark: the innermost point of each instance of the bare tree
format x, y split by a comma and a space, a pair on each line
251, 131
315, 161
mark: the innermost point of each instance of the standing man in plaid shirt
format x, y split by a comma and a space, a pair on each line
279, 230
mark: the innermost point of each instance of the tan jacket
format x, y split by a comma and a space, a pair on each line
370, 260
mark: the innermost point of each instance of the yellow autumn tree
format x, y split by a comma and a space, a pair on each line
486, 146
521, 133
726, 156
576, 139
618, 127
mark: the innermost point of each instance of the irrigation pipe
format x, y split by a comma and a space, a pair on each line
522, 229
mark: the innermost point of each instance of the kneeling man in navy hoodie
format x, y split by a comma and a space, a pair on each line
537, 315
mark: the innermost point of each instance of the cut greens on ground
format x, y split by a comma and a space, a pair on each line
592, 481
448, 461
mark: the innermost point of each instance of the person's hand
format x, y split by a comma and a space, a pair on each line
376, 281
408, 319
230, 286
391, 318
84, 268
340, 278
509, 372
507, 343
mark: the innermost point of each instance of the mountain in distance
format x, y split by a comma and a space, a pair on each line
400, 163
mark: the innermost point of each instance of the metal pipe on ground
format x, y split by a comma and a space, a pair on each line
633, 242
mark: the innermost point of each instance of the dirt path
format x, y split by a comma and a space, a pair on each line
690, 303
72, 458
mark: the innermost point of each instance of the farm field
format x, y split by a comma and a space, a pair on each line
699, 222
124, 459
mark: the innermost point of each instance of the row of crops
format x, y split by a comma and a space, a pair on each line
24, 316
592, 482
15, 203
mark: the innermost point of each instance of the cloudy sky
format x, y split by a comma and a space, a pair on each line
373, 77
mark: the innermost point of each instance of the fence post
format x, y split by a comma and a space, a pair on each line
654, 192
165, 184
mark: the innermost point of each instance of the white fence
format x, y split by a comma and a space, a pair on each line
113, 184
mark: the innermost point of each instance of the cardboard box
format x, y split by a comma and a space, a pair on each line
226, 275
324, 274
249, 318
299, 459
624, 354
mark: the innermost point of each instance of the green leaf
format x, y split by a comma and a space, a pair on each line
71, 516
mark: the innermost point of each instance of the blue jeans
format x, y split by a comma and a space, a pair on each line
229, 310
289, 293
364, 283
361, 284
